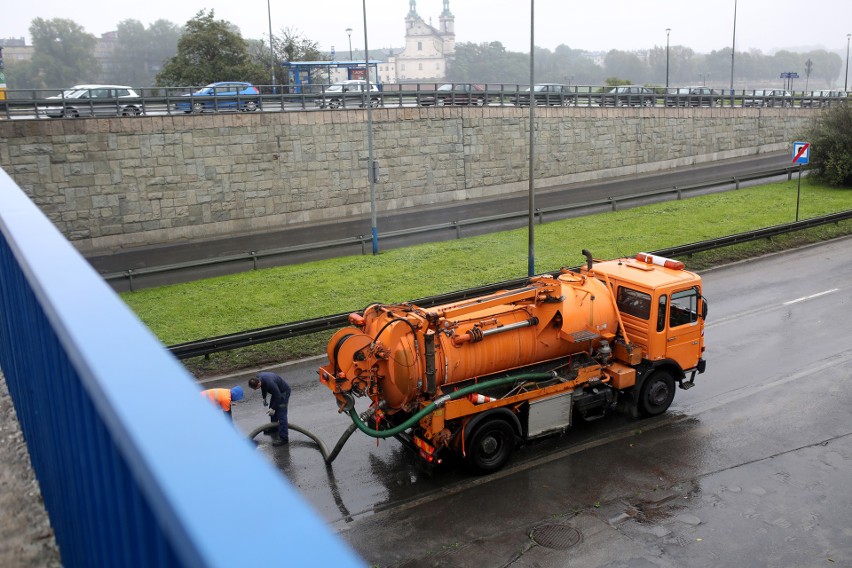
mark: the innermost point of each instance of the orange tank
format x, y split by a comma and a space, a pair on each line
402, 353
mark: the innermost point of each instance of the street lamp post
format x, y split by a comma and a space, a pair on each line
733, 51
668, 31
271, 49
846, 78
349, 33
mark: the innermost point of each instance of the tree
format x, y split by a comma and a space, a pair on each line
289, 46
624, 64
210, 50
830, 135
63, 55
140, 53
488, 63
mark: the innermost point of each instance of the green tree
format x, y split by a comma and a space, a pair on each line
63, 55
210, 50
624, 64
830, 135
488, 63
140, 53
291, 45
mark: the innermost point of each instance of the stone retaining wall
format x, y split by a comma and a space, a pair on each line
122, 182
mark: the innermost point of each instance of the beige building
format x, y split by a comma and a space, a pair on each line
427, 49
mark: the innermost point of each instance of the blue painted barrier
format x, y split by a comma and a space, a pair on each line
135, 468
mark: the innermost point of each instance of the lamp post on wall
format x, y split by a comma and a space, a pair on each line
846, 78
349, 33
668, 31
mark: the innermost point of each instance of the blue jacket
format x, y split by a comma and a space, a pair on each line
273, 385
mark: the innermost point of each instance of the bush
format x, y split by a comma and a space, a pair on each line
830, 136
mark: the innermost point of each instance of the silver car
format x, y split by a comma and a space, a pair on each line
94, 100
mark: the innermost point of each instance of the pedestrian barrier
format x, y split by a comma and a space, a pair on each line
135, 468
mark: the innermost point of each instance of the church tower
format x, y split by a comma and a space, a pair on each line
427, 50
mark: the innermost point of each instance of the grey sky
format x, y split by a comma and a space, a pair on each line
595, 25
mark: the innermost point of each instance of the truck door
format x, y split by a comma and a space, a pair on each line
683, 335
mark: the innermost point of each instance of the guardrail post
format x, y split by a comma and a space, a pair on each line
130, 278
678, 192
614, 203
253, 255
458, 229
540, 216
789, 174
363, 244
736, 183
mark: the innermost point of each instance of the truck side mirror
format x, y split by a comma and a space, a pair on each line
703, 308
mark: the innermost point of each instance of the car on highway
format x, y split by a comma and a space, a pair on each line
349, 93
824, 98
629, 95
544, 94
458, 94
224, 95
768, 98
94, 100
699, 96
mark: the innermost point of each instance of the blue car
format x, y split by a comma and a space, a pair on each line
230, 95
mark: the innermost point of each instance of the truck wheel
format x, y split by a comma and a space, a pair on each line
491, 446
657, 394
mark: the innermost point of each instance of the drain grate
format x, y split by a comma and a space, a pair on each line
557, 537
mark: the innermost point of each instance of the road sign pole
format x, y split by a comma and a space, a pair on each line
799, 193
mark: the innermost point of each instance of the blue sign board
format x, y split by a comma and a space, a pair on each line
801, 153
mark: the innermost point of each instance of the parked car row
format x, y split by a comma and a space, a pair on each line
121, 100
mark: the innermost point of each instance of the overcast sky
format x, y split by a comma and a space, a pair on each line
594, 25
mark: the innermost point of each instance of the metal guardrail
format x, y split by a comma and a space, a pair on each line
158, 101
456, 226
127, 479
205, 347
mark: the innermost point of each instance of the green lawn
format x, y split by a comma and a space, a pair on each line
260, 298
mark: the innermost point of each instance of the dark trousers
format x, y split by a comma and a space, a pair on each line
281, 414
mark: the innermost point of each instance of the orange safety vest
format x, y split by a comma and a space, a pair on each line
222, 397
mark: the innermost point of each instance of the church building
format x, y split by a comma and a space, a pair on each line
427, 49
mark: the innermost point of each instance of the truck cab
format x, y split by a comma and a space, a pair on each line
662, 310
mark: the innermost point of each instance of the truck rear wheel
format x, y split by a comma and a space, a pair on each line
657, 394
491, 446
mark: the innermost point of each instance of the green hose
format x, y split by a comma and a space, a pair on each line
358, 421
439, 402
327, 456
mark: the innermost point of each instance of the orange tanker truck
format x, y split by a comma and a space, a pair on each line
475, 377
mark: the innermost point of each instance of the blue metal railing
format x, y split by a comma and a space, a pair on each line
135, 468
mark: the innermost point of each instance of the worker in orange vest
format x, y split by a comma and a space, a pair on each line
224, 397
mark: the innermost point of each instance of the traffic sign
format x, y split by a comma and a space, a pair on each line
789, 75
801, 153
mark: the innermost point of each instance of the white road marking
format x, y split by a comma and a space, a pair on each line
763, 309
804, 298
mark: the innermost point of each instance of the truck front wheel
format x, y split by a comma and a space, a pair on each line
491, 446
657, 394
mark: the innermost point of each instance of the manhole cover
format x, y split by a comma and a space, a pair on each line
558, 537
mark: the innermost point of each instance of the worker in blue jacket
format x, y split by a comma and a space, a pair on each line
279, 392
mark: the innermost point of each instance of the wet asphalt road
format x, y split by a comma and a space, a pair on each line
749, 468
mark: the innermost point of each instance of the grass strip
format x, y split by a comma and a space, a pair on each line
228, 304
